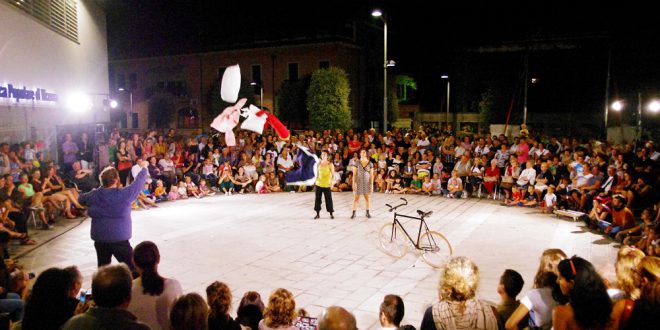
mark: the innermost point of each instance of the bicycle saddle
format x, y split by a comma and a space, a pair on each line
424, 214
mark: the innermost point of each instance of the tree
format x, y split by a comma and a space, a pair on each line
392, 104
217, 104
291, 98
327, 99
161, 109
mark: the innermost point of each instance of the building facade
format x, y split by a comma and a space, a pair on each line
189, 78
53, 58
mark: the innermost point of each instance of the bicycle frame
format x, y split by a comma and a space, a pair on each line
419, 233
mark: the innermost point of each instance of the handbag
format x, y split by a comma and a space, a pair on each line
124, 165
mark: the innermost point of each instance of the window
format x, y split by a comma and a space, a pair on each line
132, 79
60, 16
121, 81
324, 64
256, 78
187, 118
293, 71
135, 122
221, 71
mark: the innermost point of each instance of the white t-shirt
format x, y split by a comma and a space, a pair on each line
550, 200
288, 162
540, 304
154, 310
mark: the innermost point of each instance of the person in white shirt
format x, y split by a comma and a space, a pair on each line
152, 296
528, 175
550, 199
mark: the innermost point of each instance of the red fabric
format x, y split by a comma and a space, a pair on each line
276, 124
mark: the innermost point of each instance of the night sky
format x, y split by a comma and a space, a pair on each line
425, 41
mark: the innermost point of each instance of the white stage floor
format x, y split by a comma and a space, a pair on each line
263, 242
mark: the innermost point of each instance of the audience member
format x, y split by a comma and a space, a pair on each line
189, 312
218, 297
280, 311
511, 283
48, 306
337, 318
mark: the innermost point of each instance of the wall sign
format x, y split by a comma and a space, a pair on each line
38, 94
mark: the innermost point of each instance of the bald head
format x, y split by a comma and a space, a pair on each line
337, 318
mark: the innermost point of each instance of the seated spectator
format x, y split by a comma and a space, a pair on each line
261, 187
544, 296
152, 295
13, 221
391, 313
182, 191
83, 178
622, 217
458, 307
511, 283
651, 246
242, 181
640, 195
337, 318
204, 189
491, 177
10, 302
549, 200
632, 235
226, 182
280, 311
437, 183
379, 181
191, 188
273, 183
529, 199
528, 175
642, 313
510, 176
589, 304
415, 184
454, 186
111, 286
189, 312
399, 186
427, 186
250, 310
48, 306
160, 194
218, 297
75, 284
627, 286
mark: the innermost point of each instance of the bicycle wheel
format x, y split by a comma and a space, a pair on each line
392, 240
435, 248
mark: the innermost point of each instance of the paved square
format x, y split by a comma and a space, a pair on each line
262, 242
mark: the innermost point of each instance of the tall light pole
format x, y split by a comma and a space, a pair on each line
379, 14
261, 93
447, 116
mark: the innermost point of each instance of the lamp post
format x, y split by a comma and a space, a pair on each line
261, 93
379, 14
447, 115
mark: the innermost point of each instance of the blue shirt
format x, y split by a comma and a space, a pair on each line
110, 210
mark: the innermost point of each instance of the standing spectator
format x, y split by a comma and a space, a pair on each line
124, 162
280, 312
189, 312
70, 151
86, 152
4, 158
458, 307
152, 295
111, 286
110, 210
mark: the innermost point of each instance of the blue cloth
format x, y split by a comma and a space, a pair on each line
305, 171
110, 210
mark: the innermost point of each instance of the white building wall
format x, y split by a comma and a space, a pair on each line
34, 56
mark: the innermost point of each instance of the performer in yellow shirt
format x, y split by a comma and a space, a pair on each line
326, 171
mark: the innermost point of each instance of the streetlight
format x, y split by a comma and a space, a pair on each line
261, 93
617, 105
379, 14
447, 116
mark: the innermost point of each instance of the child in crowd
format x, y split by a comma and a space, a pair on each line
173, 194
549, 200
261, 186
437, 183
389, 181
273, 183
529, 199
204, 189
182, 191
511, 283
382, 163
380, 183
516, 197
427, 186
651, 244
399, 186
415, 184
160, 193
191, 188
29, 153
226, 183
408, 171
145, 198
454, 186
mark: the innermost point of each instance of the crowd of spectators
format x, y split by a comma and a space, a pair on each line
613, 186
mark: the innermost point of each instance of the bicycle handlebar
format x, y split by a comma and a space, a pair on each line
393, 208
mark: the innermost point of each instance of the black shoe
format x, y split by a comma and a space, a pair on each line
353, 216
331, 216
368, 215
317, 216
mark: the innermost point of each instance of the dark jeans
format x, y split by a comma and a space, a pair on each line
328, 199
20, 218
122, 250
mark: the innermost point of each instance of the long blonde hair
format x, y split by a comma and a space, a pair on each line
627, 280
549, 261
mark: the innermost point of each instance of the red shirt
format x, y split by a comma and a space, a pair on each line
623, 218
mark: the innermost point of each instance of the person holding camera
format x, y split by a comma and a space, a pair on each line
110, 210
